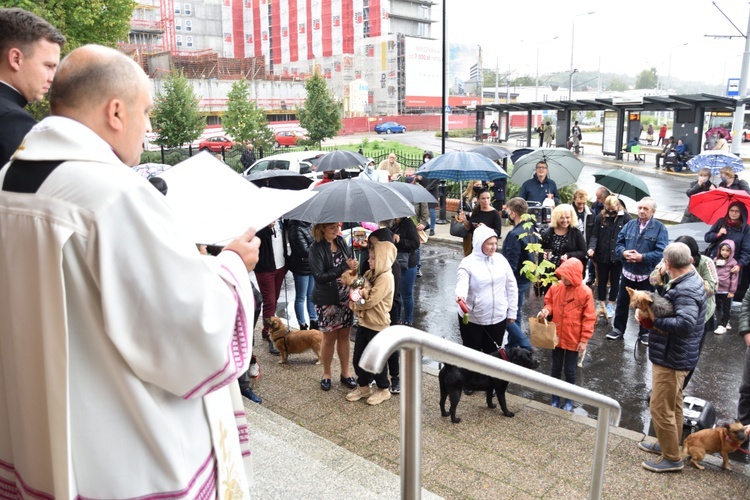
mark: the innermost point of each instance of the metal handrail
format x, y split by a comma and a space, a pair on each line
414, 343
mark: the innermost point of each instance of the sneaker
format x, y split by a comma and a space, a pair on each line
348, 381
359, 393
728, 327
272, 348
568, 406
555, 403
610, 308
304, 327
419, 273
720, 330
643, 339
432, 232
249, 394
661, 464
650, 447
395, 386
615, 334
314, 324
379, 396
254, 370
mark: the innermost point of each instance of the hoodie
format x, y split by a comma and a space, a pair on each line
487, 283
727, 279
571, 306
374, 313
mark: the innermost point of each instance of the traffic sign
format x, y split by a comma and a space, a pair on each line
447, 110
733, 87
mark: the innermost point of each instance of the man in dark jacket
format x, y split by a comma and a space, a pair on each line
431, 185
29, 55
515, 252
674, 347
639, 246
540, 186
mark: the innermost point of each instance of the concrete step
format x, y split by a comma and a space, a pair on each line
291, 462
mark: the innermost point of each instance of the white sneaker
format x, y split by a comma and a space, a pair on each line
728, 327
720, 330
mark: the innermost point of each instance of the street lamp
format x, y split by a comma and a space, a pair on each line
669, 72
570, 85
572, 46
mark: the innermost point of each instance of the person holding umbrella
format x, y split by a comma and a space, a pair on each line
329, 258
732, 226
540, 187
730, 180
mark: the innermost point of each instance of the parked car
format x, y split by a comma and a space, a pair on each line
214, 144
288, 138
389, 128
300, 162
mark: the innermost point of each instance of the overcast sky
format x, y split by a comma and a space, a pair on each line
620, 37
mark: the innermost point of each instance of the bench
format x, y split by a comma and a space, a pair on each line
637, 155
521, 142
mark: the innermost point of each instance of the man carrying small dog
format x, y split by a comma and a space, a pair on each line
639, 245
673, 354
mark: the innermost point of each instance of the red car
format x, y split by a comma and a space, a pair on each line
214, 144
287, 138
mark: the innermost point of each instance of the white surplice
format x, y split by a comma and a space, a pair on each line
119, 342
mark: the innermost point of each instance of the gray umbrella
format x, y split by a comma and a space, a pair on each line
412, 192
336, 160
352, 201
491, 152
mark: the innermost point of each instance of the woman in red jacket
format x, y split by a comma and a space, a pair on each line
570, 303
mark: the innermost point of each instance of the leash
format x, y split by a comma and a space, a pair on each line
737, 447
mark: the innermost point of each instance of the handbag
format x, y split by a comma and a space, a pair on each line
580, 137
422, 236
403, 260
458, 229
543, 335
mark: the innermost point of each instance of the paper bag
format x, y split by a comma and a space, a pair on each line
543, 335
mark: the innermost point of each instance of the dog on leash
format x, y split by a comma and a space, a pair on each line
724, 440
454, 380
293, 341
650, 305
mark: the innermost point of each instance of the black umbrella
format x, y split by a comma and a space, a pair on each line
518, 153
491, 152
412, 192
336, 160
352, 200
280, 179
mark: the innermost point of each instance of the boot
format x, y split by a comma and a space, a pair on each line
303, 327
314, 324
272, 348
555, 401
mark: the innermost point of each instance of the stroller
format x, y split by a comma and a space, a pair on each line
673, 162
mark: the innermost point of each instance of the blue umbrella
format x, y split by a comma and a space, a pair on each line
462, 166
715, 161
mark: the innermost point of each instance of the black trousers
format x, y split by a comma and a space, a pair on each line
485, 338
364, 378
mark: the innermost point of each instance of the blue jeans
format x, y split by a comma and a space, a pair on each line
303, 288
564, 362
408, 277
433, 217
516, 337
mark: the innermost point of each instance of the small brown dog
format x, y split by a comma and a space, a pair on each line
724, 440
650, 305
293, 341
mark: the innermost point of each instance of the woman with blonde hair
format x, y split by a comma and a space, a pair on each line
563, 240
329, 258
730, 180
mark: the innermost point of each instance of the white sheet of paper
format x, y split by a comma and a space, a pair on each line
216, 204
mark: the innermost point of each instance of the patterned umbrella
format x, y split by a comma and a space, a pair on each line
462, 166
716, 160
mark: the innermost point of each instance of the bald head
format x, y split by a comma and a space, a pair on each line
109, 93
91, 75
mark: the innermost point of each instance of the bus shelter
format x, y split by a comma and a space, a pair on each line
622, 117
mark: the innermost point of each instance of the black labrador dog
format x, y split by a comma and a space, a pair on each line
454, 380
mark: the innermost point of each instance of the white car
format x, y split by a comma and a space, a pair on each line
299, 162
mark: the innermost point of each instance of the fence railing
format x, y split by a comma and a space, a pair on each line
415, 343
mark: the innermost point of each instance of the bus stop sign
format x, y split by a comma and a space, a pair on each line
733, 87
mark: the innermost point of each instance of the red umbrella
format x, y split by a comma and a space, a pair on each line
711, 206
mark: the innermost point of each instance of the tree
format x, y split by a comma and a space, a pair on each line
175, 117
320, 115
243, 121
647, 79
104, 22
617, 85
